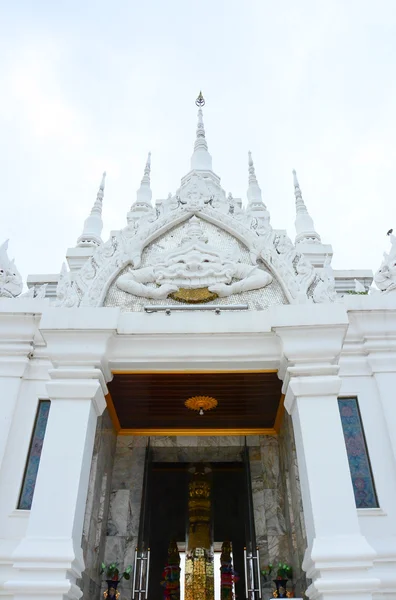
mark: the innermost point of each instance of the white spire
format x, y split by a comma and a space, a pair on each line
254, 191
93, 225
144, 193
201, 159
305, 229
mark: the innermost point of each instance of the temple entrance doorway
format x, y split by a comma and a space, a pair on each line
247, 442
170, 513
168, 506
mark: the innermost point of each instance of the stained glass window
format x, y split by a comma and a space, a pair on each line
359, 462
33, 460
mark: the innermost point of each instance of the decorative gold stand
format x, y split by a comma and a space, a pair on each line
199, 581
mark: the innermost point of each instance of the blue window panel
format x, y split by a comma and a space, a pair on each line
359, 462
33, 460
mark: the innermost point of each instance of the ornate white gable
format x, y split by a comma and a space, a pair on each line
196, 246
138, 246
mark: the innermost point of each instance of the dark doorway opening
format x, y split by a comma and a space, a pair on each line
167, 507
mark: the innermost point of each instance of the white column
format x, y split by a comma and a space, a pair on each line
17, 329
383, 365
11, 372
338, 557
49, 559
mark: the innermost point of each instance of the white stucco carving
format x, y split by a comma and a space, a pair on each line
199, 195
10, 279
66, 292
125, 247
385, 277
325, 288
193, 265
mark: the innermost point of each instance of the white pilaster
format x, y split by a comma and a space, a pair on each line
17, 330
383, 365
49, 559
373, 325
338, 557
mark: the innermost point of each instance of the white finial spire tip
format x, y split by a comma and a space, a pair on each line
102, 183
201, 159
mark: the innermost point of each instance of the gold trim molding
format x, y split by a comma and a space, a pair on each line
199, 432
183, 371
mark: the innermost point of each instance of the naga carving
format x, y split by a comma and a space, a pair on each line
10, 279
385, 277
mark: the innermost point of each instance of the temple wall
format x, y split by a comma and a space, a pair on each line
97, 507
197, 448
125, 500
293, 502
268, 500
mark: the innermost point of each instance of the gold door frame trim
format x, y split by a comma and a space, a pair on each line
198, 432
113, 413
279, 414
182, 371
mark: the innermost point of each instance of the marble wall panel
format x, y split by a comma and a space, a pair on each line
98, 498
125, 502
277, 505
293, 502
274, 493
197, 448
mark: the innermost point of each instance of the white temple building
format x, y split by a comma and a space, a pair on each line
198, 337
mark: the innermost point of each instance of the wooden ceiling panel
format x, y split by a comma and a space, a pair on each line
148, 402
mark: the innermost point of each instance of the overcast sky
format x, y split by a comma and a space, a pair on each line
88, 86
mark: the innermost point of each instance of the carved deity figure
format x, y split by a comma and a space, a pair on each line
10, 279
194, 265
385, 277
195, 192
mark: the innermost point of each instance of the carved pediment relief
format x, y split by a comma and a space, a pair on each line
194, 264
204, 244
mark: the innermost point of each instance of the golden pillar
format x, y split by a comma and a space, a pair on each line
199, 583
